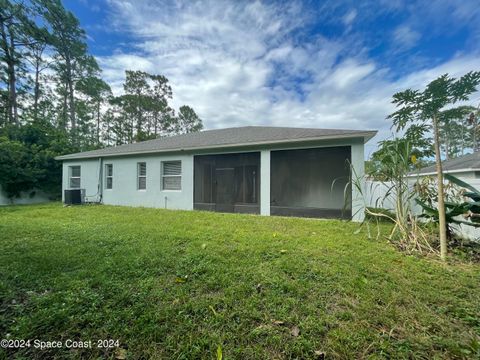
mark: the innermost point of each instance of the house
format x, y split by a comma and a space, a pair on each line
466, 168
253, 169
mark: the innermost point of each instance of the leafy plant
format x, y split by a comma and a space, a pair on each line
396, 159
427, 107
457, 210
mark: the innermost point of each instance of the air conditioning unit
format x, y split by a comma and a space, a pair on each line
74, 196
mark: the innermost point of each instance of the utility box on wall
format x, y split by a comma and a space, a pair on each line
74, 196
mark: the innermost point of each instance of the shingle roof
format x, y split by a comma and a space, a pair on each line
223, 138
468, 162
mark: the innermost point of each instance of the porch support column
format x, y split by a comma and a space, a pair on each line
358, 163
265, 182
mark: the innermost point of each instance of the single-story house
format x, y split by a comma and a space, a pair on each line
252, 169
466, 167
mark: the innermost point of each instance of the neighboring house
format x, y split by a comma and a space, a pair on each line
253, 169
465, 167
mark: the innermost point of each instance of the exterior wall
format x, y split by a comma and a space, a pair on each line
265, 182
358, 165
89, 175
124, 191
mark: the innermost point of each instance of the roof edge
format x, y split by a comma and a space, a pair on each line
366, 135
444, 171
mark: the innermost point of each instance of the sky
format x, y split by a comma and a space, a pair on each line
320, 64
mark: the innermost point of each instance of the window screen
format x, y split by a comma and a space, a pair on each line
172, 175
108, 176
74, 176
141, 175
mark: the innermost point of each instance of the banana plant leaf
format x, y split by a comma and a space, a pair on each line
461, 183
473, 196
450, 212
453, 210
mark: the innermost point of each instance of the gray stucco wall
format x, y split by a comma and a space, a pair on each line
358, 164
124, 191
88, 178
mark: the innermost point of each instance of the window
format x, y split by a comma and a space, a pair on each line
171, 175
141, 175
108, 176
74, 176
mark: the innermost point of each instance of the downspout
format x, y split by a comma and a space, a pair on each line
100, 180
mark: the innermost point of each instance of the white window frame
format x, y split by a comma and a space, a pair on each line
107, 166
70, 177
140, 176
163, 176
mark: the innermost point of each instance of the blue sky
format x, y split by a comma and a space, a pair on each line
330, 64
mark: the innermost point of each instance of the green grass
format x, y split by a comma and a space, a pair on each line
182, 285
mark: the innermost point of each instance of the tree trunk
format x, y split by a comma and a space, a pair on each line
441, 196
36, 90
98, 122
64, 111
13, 80
71, 97
10, 71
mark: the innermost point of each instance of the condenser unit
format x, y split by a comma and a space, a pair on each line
74, 196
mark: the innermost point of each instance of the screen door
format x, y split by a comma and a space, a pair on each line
225, 188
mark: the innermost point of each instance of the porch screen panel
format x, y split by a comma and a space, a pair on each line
227, 182
311, 182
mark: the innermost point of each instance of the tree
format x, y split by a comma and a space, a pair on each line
162, 114
136, 101
98, 92
420, 148
16, 32
425, 107
72, 62
472, 121
455, 136
144, 112
53, 100
27, 158
188, 121
35, 56
15, 173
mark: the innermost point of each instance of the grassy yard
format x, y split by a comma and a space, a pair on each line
177, 285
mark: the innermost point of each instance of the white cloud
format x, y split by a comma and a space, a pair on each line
404, 37
238, 65
349, 17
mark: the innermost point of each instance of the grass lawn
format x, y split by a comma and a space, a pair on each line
177, 285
